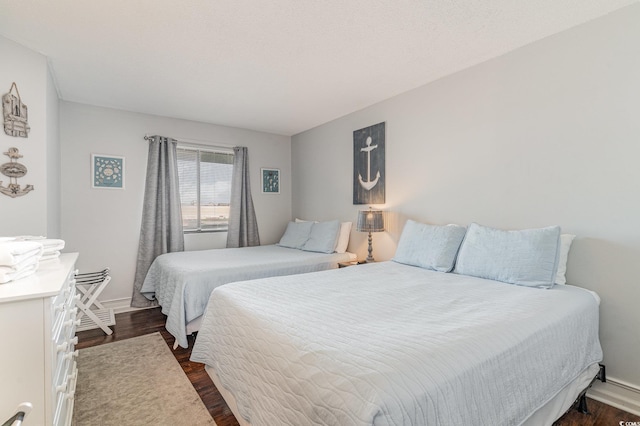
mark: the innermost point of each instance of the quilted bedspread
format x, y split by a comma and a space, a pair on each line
390, 344
182, 282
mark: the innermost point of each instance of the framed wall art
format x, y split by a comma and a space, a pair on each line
369, 172
270, 181
107, 171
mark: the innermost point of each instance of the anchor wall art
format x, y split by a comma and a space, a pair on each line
14, 170
368, 165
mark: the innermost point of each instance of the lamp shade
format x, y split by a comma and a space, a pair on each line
370, 221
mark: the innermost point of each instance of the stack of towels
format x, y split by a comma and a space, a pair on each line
20, 256
51, 248
18, 259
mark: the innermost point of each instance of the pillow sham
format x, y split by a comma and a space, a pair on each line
343, 237
429, 246
296, 234
323, 237
565, 245
527, 257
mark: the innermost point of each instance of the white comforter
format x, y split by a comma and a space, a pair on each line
182, 282
390, 344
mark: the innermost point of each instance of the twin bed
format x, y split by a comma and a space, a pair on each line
463, 326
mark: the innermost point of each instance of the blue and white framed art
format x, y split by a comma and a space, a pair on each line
270, 181
107, 171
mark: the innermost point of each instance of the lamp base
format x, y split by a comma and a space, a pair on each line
370, 258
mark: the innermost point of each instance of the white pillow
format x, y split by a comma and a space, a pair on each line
565, 245
527, 257
343, 237
429, 246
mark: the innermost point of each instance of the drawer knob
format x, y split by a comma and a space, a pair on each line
71, 355
62, 347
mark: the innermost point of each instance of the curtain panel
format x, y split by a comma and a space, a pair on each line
243, 226
161, 228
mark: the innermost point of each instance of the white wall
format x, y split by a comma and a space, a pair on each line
26, 215
548, 134
53, 160
104, 225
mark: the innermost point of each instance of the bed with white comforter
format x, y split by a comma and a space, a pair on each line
182, 282
392, 344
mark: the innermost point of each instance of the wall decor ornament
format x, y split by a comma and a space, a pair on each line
270, 181
369, 165
14, 111
107, 171
14, 170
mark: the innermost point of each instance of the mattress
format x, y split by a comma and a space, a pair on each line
391, 344
183, 281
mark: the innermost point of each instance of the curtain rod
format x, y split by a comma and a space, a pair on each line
197, 143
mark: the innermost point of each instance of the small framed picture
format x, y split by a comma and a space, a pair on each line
270, 181
107, 171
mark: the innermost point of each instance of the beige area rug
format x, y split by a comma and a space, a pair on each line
136, 381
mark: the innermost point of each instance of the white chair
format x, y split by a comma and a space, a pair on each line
90, 285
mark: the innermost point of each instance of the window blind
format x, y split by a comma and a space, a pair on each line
205, 188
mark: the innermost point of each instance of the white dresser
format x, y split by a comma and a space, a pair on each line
37, 343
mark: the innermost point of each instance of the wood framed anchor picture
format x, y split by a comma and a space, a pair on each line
368, 165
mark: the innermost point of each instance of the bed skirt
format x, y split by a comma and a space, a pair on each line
555, 408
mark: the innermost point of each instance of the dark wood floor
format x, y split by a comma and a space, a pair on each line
138, 323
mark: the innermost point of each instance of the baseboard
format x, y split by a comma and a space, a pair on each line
617, 393
119, 305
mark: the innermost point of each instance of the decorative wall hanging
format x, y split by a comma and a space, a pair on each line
270, 181
16, 121
14, 170
107, 171
368, 165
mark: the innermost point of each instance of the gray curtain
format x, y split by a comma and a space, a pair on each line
243, 226
161, 229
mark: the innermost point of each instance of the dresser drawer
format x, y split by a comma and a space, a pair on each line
64, 399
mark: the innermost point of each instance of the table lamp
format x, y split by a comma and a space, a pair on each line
370, 221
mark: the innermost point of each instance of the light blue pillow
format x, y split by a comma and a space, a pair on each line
526, 257
429, 246
323, 237
296, 234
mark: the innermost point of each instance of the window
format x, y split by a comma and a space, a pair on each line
205, 189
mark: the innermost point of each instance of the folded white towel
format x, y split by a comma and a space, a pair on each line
49, 255
51, 245
9, 274
29, 237
14, 252
48, 243
23, 264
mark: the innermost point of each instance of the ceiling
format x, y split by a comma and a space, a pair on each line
280, 66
